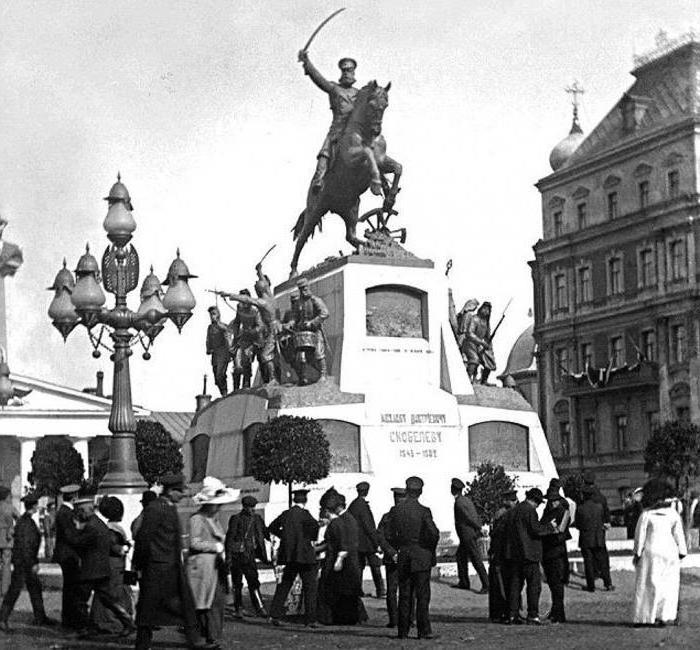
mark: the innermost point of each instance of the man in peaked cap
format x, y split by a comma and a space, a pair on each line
297, 531
66, 556
416, 538
25, 567
369, 539
468, 527
245, 542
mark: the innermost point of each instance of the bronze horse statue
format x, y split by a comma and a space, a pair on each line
359, 163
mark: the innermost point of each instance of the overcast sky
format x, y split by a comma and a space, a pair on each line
204, 109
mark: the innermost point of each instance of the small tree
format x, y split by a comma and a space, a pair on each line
156, 452
290, 449
487, 488
55, 463
673, 452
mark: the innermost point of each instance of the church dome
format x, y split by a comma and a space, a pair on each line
522, 354
562, 152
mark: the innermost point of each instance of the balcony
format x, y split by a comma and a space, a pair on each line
600, 380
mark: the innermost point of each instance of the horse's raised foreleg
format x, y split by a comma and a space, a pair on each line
388, 165
358, 153
375, 181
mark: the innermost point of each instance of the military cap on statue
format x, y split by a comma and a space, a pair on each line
249, 501
72, 488
535, 494
414, 483
457, 484
347, 59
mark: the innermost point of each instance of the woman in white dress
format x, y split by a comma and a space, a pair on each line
659, 547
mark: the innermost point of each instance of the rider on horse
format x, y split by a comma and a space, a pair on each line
342, 97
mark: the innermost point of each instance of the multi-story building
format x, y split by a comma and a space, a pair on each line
616, 273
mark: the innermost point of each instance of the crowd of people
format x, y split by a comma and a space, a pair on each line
187, 586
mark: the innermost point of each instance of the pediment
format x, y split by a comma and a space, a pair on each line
673, 159
556, 202
641, 170
581, 193
53, 398
611, 181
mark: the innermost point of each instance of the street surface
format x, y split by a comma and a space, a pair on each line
598, 620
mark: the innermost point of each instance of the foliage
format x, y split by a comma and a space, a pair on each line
673, 451
55, 463
156, 452
290, 449
573, 484
487, 488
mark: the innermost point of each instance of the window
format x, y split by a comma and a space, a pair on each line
653, 422
647, 270
561, 361
674, 184
621, 432
581, 211
677, 260
649, 345
591, 437
678, 343
617, 351
560, 291
643, 194
615, 275
612, 205
565, 438
586, 355
585, 287
558, 224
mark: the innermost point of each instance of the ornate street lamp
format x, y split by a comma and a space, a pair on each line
81, 300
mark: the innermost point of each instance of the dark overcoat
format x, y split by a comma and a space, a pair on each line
526, 533
93, 544
250, 532
27, 540
467, 521
63, 552
297, 531
590, 524
415, 534
368, 539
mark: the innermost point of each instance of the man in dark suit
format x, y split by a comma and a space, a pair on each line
468, 527
499, 567
526, 532
590, 521
25, 567
93, 541
245, 542
297, 531
416, 538
369, 541
67, 557
165, 598
387, 543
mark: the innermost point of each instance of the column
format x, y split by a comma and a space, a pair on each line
26, 451
81, 446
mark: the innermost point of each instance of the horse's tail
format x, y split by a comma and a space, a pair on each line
299, 225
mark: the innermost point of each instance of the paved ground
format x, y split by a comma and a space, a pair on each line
597, 620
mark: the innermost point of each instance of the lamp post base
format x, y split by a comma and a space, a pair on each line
123, 476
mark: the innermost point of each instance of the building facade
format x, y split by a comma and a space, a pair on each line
615, 275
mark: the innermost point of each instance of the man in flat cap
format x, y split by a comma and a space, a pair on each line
66, 556
165, 598
369, 540
590, 521
297, 531
25, 567
525, 533
468, 527
245, 542
416, 538
389, 546
499, 566
342, 97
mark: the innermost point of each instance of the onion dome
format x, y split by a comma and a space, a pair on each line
64, 280
563, 151
522, 355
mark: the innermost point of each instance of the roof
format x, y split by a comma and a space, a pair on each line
176, 423
666, 91
522, 354
495, 397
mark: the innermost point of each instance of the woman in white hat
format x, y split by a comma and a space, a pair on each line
206, 567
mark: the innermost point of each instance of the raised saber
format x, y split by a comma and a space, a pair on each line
269, 250
318, 29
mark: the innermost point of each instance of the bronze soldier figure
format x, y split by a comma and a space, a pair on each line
218, 348
342, 99
479, 349
307, 322
247, 329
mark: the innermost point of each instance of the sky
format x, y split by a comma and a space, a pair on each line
204, 109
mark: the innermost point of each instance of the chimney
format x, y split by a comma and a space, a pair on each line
203, 400
99, 386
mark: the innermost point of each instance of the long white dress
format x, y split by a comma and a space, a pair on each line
658, 541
